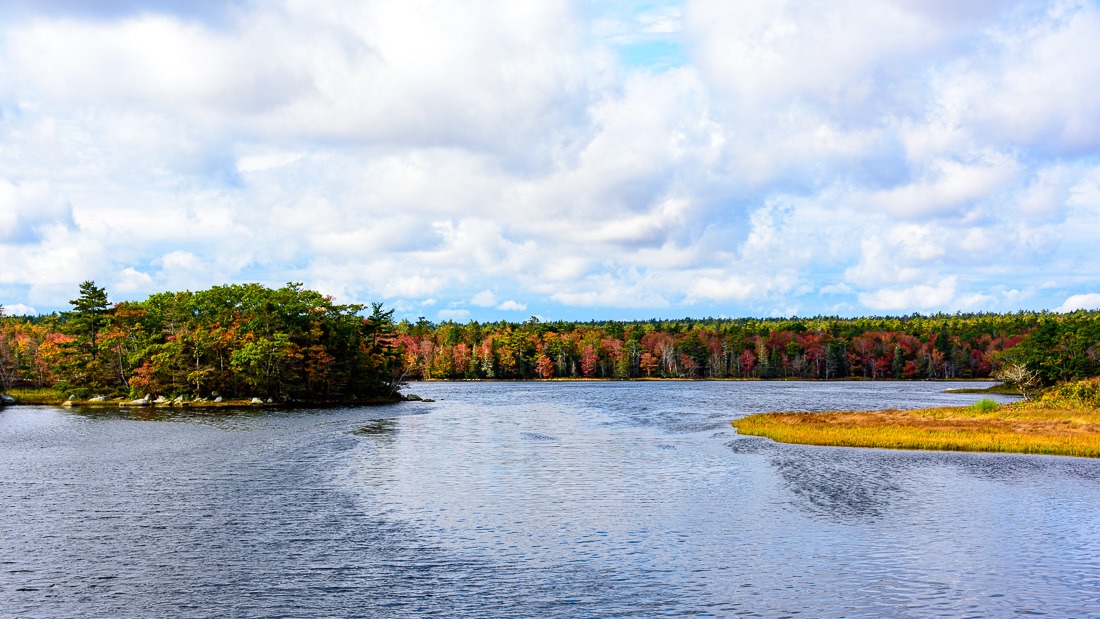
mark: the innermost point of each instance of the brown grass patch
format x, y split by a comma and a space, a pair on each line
1017, 428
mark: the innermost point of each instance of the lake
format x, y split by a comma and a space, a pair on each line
561, 499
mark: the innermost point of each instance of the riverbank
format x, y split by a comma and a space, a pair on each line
1022, 427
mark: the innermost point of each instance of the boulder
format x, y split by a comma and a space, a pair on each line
256, 401
6, 399
98, 398
412, 397
218, 399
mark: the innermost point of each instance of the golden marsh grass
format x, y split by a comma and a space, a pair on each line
1017, 428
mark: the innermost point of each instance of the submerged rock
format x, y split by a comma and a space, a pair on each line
412, 397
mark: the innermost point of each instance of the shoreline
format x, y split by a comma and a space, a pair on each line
119, 403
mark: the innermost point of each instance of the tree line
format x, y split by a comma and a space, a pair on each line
291, 343
1054, 347
234, 341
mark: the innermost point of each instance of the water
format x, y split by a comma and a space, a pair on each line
533, 500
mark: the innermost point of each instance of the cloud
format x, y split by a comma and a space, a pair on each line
1088, 301
457, 315
824, 156
921, 297
485, 298
27, 210
19, 309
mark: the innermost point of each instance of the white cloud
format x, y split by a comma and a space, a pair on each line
921, 297
485, 298
512, 306
19, 309
27, 209
457, 315
1088, 301
130, 280
817, 155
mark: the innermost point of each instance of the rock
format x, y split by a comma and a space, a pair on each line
98, 398
160, 400
148, 397
138, 402
218, 399
6, 399
67, 404
270, 401
412, 397
256, 401
72, 398
178, 400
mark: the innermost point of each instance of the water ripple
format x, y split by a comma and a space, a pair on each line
534, 500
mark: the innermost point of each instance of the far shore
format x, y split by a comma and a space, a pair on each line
1022, 427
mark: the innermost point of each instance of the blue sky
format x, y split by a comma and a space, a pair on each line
577, 160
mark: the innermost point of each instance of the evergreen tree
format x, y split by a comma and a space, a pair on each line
89, 315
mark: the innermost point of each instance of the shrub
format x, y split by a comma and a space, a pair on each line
1083, 393
984, 405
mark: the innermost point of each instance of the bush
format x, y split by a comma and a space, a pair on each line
984, 405
1082, 393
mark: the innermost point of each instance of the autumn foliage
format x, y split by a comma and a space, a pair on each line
236, 341
911, 347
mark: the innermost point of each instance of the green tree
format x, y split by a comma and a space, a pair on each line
89, 316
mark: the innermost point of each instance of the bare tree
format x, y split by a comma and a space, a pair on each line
1020, 377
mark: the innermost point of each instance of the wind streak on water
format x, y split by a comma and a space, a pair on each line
574, 499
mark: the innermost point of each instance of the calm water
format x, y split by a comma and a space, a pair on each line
533, 500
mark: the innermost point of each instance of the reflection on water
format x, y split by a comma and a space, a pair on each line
377, 427
838, 483
532, 499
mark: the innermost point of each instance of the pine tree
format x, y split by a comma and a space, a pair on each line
89, 315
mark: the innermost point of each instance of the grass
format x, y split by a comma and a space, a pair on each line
44, 395
1051, 427
1000, 388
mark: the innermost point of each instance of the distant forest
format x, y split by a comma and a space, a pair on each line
247, 340
1054, 347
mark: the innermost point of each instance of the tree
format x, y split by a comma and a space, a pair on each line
1019, 376
89, 315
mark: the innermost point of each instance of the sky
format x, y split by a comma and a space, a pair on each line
497, 160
